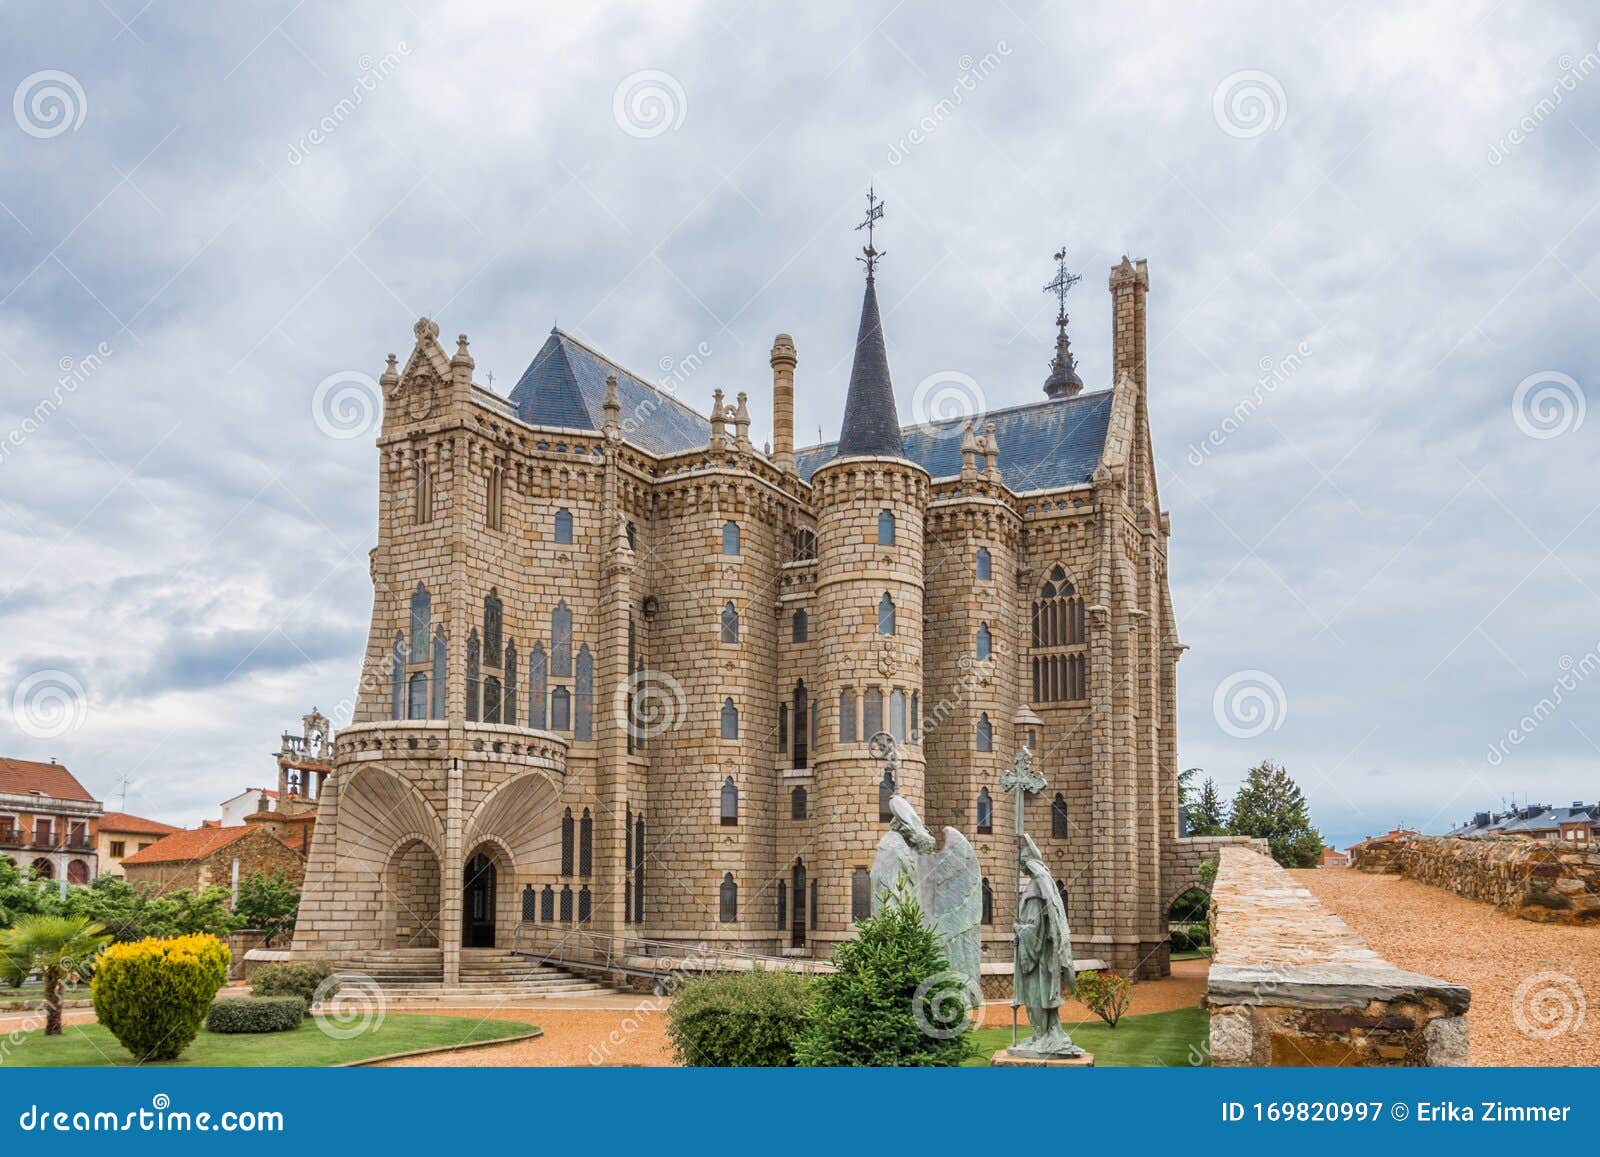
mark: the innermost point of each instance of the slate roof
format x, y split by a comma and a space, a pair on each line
1044, 445
565, 385
871, 426
1549, 819
21, 776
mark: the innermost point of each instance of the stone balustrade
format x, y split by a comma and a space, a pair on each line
1547, 882
1292, 984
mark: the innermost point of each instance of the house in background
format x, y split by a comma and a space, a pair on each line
1537, 821
215, 854
48, 821
246, 803
1334, 858
122, 835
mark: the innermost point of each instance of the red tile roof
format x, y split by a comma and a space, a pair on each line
21, 776
137, 825
184, 846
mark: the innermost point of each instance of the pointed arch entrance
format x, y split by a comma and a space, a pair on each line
478, 901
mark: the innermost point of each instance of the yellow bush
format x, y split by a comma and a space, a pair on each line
152, 995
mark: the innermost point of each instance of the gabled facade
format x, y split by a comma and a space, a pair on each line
624, 666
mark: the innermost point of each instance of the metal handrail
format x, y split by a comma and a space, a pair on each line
638, 956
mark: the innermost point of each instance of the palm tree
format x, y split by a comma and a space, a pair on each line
59, 948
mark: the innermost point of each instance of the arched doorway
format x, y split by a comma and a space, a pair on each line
77, 872
411, 886
45, 869
477, 903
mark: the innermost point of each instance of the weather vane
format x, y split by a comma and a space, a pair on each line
1063, 282
874, 214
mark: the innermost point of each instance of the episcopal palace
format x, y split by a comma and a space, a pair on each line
624, 666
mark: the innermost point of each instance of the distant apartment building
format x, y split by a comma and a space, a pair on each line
48, 821
122, 835
1576, 823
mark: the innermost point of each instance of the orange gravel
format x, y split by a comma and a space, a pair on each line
1432, 931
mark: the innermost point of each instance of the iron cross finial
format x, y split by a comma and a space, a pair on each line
1063, 282
1022, 776
874, 214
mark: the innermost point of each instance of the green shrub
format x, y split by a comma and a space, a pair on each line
301, 978
255, 1014
1191, 939
153, 994
1106, 994
739, 1019
887, 1000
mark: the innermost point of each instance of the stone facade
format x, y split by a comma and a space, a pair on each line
588, 710
1549, 883
1291, 984
212, 857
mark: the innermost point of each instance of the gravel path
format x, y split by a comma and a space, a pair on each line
1429, 930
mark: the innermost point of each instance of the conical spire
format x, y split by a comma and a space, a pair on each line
871, 424
1063, 381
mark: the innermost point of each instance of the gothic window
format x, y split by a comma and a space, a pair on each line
985, 642
421, 612
508, 701
916, 717
560, 709
814, 888
728, 900
1058, 817
730, 803
474, 654
783, 904
563, 525
897, 715
985, 812
886, 615
547, 904
633, 537
799, 627
872, 712
494, 505
397, 677
566, 842
985, 732
638, 870
491, 699
1059, 639
440, 655
847, 716
424, 504
585, 903
493, 627
730, 538
561, 640
586, 844
633, 684
983, 564
783, 729
885, 794
801, 710
730, 624
1061, 890
814, 714
988, 902
730, 720
803, 547
538, 687
885, 528
566, 903
417, 700
860, 894
530, 904
797, 804
583, 702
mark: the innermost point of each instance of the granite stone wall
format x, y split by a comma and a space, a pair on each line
1549, 883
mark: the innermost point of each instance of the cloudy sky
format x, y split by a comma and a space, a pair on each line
1374, 258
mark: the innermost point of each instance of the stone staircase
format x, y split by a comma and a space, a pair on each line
489, 976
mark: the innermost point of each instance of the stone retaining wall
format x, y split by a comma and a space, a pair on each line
1546, 883
1292, 984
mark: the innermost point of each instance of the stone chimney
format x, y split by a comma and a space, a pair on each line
1129, 284
783, 363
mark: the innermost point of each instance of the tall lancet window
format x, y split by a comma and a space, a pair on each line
730, 624
397, 677
1059, 638
474, 674
583, 700
421, 613
493, 627
886, 615
441, 654
561, 640
538, 687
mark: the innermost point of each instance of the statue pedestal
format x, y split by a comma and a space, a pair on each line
1005, 1058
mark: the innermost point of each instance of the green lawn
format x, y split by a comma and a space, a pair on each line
93, 1045
1176, 1038
1198, 954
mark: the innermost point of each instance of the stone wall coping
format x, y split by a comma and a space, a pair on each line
864, 459
269, 955
1327, 986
